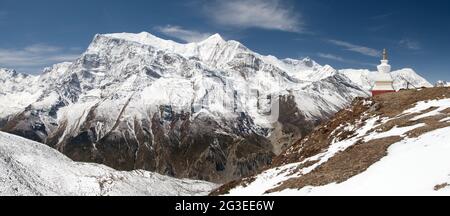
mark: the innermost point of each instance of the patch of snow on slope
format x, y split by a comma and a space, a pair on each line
412, 167
271, 178
266, 180
396, 131
31, 168
421, 106
445, 119
176, 92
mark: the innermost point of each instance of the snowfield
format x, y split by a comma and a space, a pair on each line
29, 168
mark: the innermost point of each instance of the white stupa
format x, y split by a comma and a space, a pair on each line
383, 81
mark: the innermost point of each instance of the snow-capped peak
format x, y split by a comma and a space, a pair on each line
215, 38
7, 73
143, 38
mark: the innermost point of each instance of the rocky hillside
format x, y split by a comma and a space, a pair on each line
392, 144
31, 168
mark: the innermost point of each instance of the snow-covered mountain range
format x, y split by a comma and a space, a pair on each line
442, 83
212, 110
405, 78
31, 169
396, 144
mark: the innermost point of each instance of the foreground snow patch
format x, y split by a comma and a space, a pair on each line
412, 167
31, 168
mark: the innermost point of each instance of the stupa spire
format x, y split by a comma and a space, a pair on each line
385, 54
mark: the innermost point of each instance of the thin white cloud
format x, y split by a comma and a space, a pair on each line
331, 57
32, 59
344, 60
381, 16
264, 14
410, 44
41, 48
356, 48
377, 28
3, 15
183, 34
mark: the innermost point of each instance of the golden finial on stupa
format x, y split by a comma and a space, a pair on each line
385, 54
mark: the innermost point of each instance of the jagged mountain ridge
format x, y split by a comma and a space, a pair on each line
199, 110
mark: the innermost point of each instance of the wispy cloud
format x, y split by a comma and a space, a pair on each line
183, 34
381, 16
331, 57
3, 15
264, 14
344, 60
33, 58
356, 48
410, 44
376, 28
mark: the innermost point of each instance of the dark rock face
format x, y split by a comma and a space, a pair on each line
292, 125
28, 125
184, 149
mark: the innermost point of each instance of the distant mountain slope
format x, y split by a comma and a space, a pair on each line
15, 93
30, 168
442, 83
402, 78
393, 144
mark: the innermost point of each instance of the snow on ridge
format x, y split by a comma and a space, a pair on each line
187, 49
215, 48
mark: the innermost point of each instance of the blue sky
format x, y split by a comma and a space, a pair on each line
342, 33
